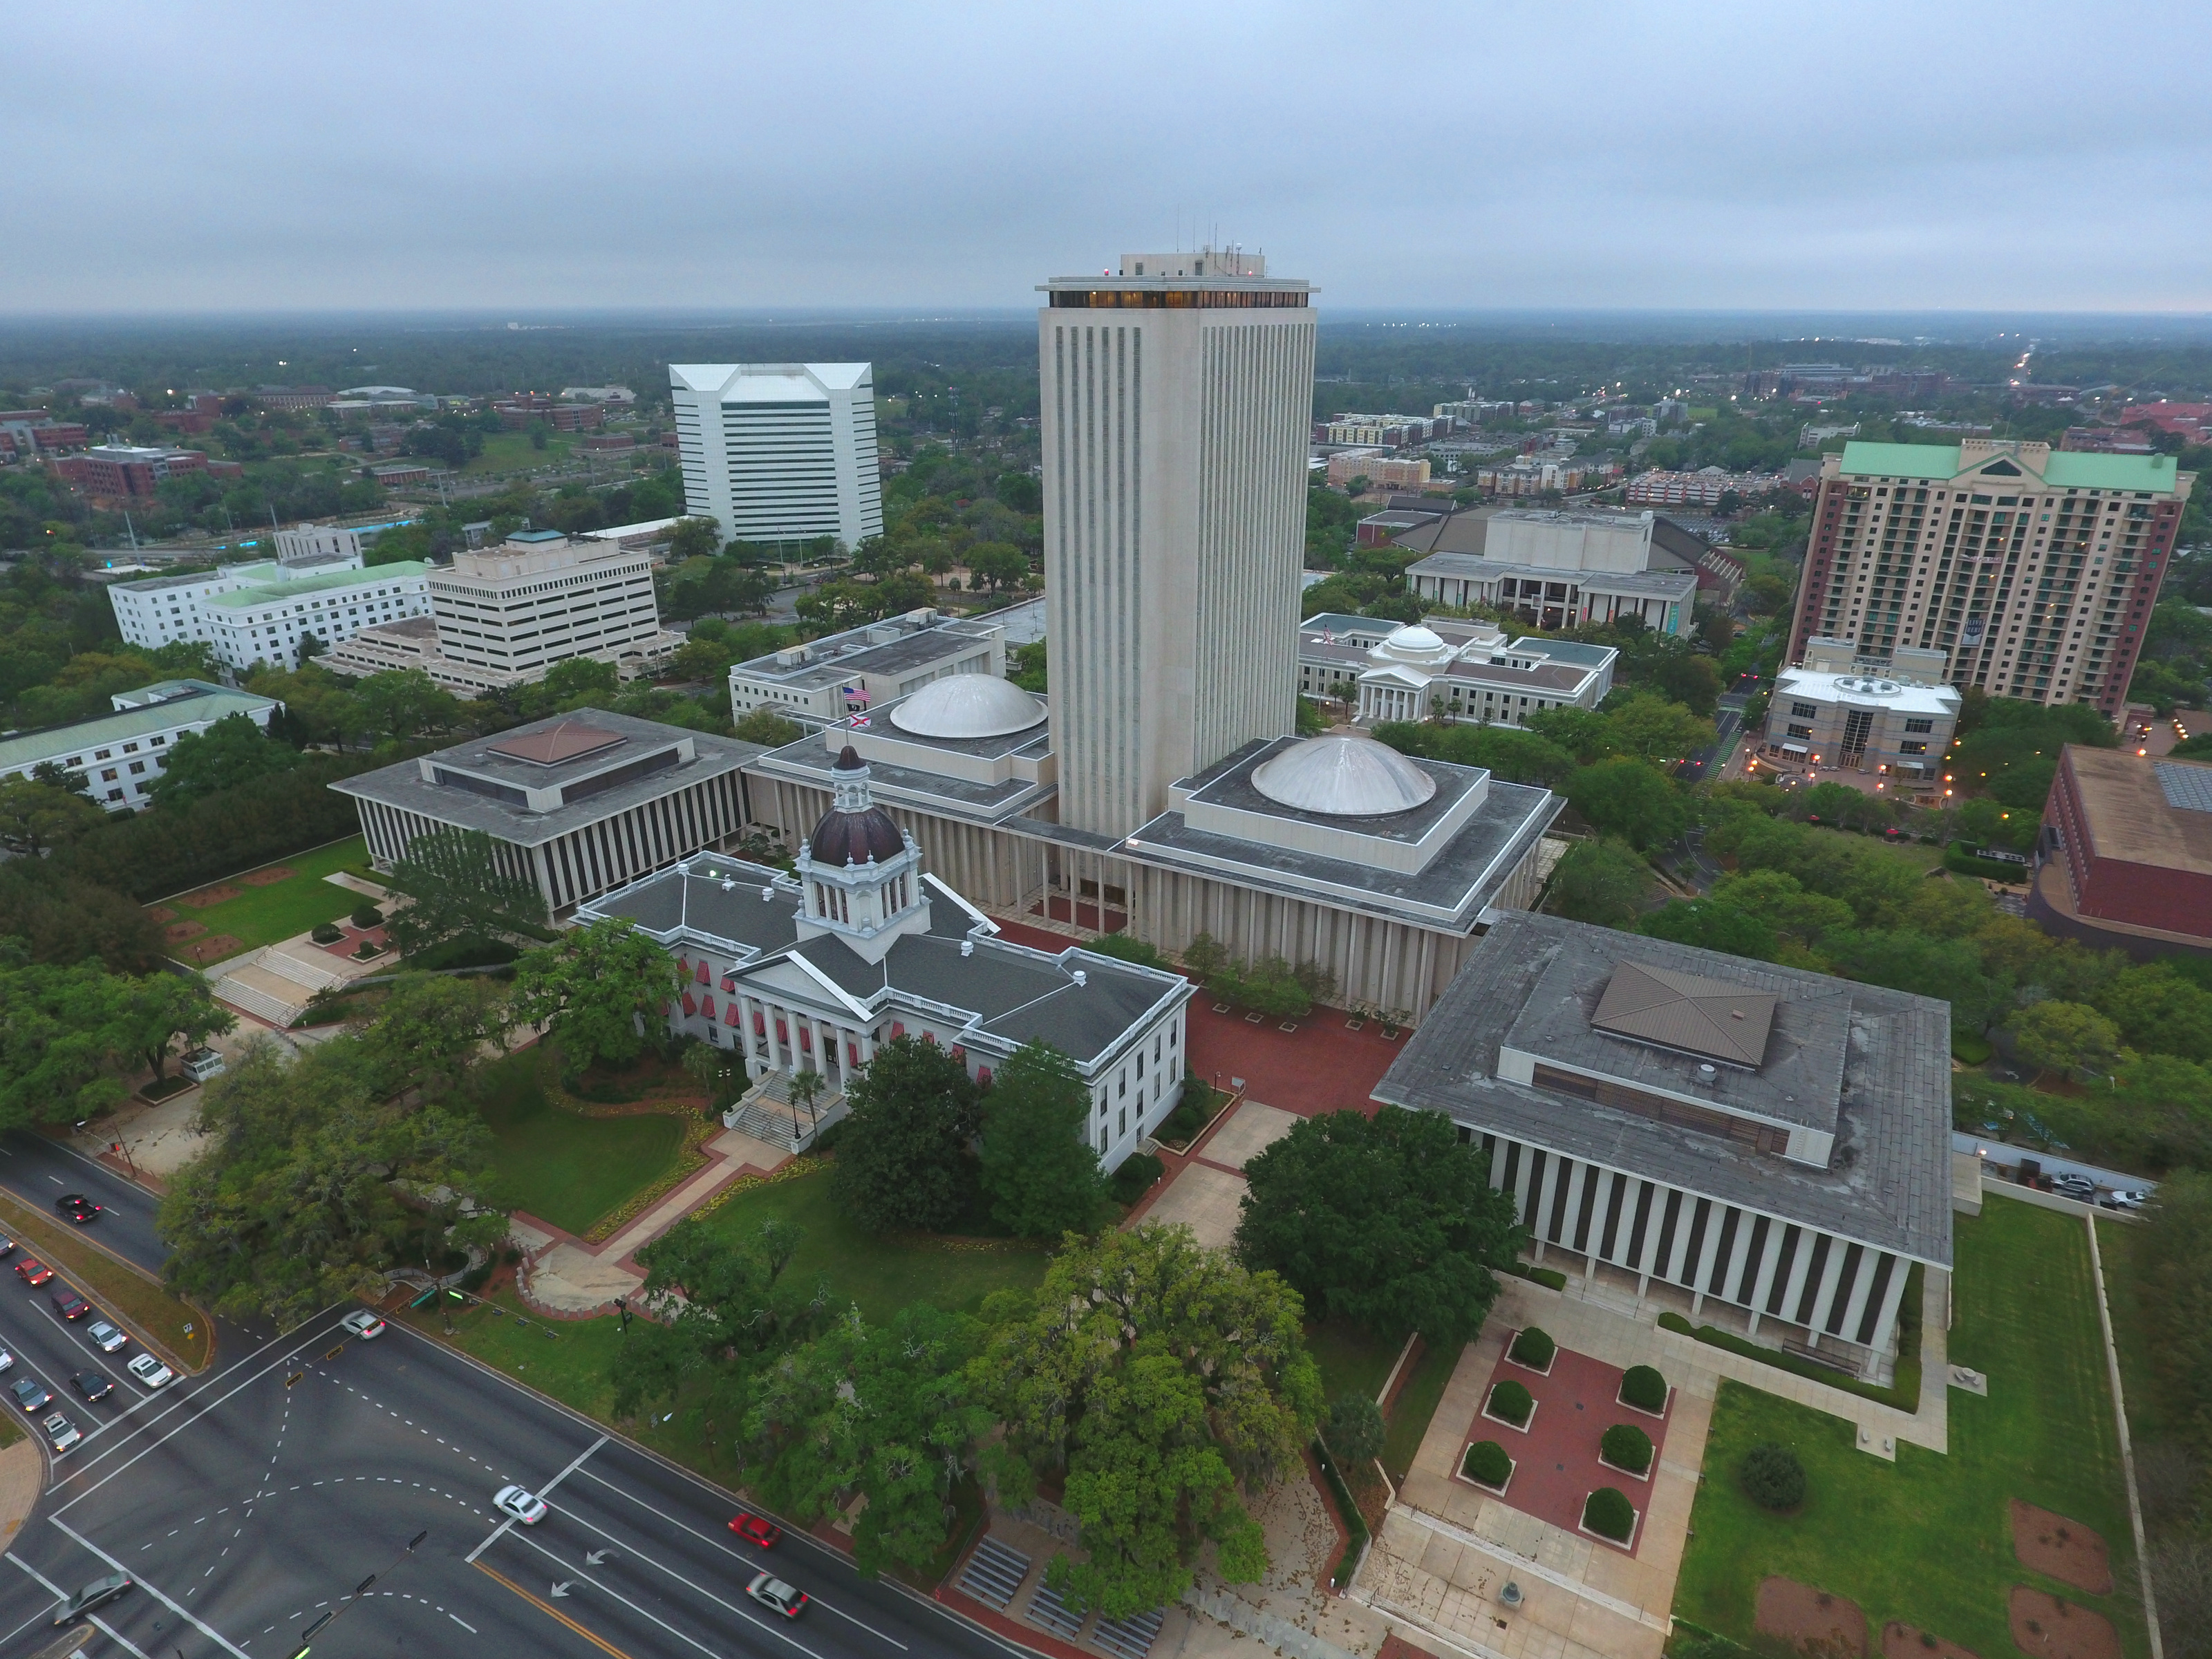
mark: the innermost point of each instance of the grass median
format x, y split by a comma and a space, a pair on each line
181, 1331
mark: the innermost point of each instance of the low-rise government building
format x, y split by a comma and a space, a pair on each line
811, 971
576, 805
824, 681
1701, 1128
120, 755
1893, 720
259, 613
2124, 859
1469, 671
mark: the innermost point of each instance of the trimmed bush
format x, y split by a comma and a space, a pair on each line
1773, 1476
1535, 1349
1136, 1175
325, 933
1512, 1403
1608, 1513
1671, 1320
1626, 1446
1642, 1387
367, 915
1486, 1462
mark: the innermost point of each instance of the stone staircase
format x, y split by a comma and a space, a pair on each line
274, 984
766, 1113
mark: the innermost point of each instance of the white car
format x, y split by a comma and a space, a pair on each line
106, 1337
7, 1360
520, 1505
149, 1371
363, 1324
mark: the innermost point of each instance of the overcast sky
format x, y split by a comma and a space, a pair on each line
239, 157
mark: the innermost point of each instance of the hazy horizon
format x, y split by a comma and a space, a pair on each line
248, 158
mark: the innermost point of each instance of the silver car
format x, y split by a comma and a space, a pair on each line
106, 1337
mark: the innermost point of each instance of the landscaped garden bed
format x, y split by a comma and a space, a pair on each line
262, 906
1610, 1516
562, 1163
1509, 1403
1534, 1350
1488, 1464
1643, 1389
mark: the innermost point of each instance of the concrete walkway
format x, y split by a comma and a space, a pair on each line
563, 1273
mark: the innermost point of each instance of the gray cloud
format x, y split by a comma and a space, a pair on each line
234, 156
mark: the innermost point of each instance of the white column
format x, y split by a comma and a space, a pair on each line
1884, 1324
1776, 1232
1799, 1266
1830, 1270
1861, 1287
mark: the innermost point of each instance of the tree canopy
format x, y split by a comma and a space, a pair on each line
1037, 1160
234, 750
1387, 1221
902, 1151
598, 990
457, 885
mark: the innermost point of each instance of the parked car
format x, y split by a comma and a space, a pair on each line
2074, 1186
2126, 1198
773, 1593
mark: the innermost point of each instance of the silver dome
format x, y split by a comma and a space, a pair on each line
1344, 777
968, 706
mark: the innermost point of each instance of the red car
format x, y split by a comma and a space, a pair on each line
755, 1529
32, 1272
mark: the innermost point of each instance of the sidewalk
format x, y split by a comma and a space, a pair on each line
562, 1274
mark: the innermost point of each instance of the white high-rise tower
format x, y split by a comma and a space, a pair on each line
780, 452
1177, 400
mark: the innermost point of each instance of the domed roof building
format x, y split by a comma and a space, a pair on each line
969, 706
1343, 775
854, 830
1422, 646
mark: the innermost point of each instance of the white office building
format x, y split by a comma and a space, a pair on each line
258, 613
780, 452
306, 543
1175, 413
827, 680
538, 598
121, 754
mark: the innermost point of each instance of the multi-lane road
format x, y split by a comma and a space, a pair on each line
249, 1501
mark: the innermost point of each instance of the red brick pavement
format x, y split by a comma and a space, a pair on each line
1556, 1461
1323, 1066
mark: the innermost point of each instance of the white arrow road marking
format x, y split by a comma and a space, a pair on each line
560, 1588
592, 1558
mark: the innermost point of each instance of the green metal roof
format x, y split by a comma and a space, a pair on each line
263, 591
2065, 470
208, 702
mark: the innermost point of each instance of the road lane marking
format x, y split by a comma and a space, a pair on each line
545, 1607
508, 1523
716, 1543
204, 1629
642, 1613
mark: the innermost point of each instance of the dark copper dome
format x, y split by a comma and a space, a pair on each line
845, 836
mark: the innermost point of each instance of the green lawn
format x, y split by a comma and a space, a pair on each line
2120, 1243
1928, 1540
560, 1165
1417, 1399
263, 915
510, 452
881, 1275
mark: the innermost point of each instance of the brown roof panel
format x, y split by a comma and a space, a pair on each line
2129, 813
1686, 1013
567, 740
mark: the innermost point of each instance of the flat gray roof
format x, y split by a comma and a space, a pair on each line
850, 653
405, 787
1888, 1180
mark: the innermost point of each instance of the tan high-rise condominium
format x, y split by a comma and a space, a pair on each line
2033, 571
1177, 399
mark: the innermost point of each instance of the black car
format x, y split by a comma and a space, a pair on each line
77, 1207
6, 1245
68, 1303
92, 1385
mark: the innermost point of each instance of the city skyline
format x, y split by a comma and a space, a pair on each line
1681, 156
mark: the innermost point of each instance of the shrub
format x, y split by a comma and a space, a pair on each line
1671, 1320
1486, 1462
1123, 948
367, 915
325, 933
1642, 1387
1626, 1446
1511, 1403
1773, 1476
1182, 1124
1354, 1428
1609, 1514
1534, 1348
1136, 1175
